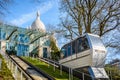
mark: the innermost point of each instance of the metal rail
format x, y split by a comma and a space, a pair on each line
49, 62
81, 75
25, 73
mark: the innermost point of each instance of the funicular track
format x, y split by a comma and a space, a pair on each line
33, 72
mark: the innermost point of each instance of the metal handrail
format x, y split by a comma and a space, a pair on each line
58, 64
53, 64
21, 69
25, 73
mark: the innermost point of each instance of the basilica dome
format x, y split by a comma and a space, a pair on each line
38, 24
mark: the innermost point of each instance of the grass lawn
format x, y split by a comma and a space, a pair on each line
5, 73
49, 70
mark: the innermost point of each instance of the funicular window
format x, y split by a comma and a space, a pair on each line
79, 45
82, 44
85, 44
69, 49
73, 47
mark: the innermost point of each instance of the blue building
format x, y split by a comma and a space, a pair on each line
25, 42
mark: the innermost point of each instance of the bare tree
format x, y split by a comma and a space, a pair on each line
4, 5
100, 16
91, 16
114, 42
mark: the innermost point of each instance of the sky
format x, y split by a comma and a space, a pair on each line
23, 12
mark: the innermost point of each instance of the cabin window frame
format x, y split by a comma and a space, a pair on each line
81, 45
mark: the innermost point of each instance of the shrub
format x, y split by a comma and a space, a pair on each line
5, 73
113, 72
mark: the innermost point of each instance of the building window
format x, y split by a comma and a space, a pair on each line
69, 49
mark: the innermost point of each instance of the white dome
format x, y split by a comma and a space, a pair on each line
38, 24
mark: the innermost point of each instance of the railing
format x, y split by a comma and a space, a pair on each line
9, 59
70, 71
20, 68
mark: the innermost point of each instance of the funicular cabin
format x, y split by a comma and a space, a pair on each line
85, 52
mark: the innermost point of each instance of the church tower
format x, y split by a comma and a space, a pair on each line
43, 50
38, 24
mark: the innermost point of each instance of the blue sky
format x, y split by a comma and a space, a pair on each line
23, 12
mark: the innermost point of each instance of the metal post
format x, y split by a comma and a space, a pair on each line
21, 75
111, 75
60, 69
32, 56
54, 65
12, 66
8, 63
48, 64
16, 72
0, 63
28, 54
83, 75
69, 73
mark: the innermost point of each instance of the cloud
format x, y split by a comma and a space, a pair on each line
22, 19
44, 7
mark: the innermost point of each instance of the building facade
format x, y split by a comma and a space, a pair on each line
26, 42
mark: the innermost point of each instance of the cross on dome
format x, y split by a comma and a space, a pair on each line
38, 14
